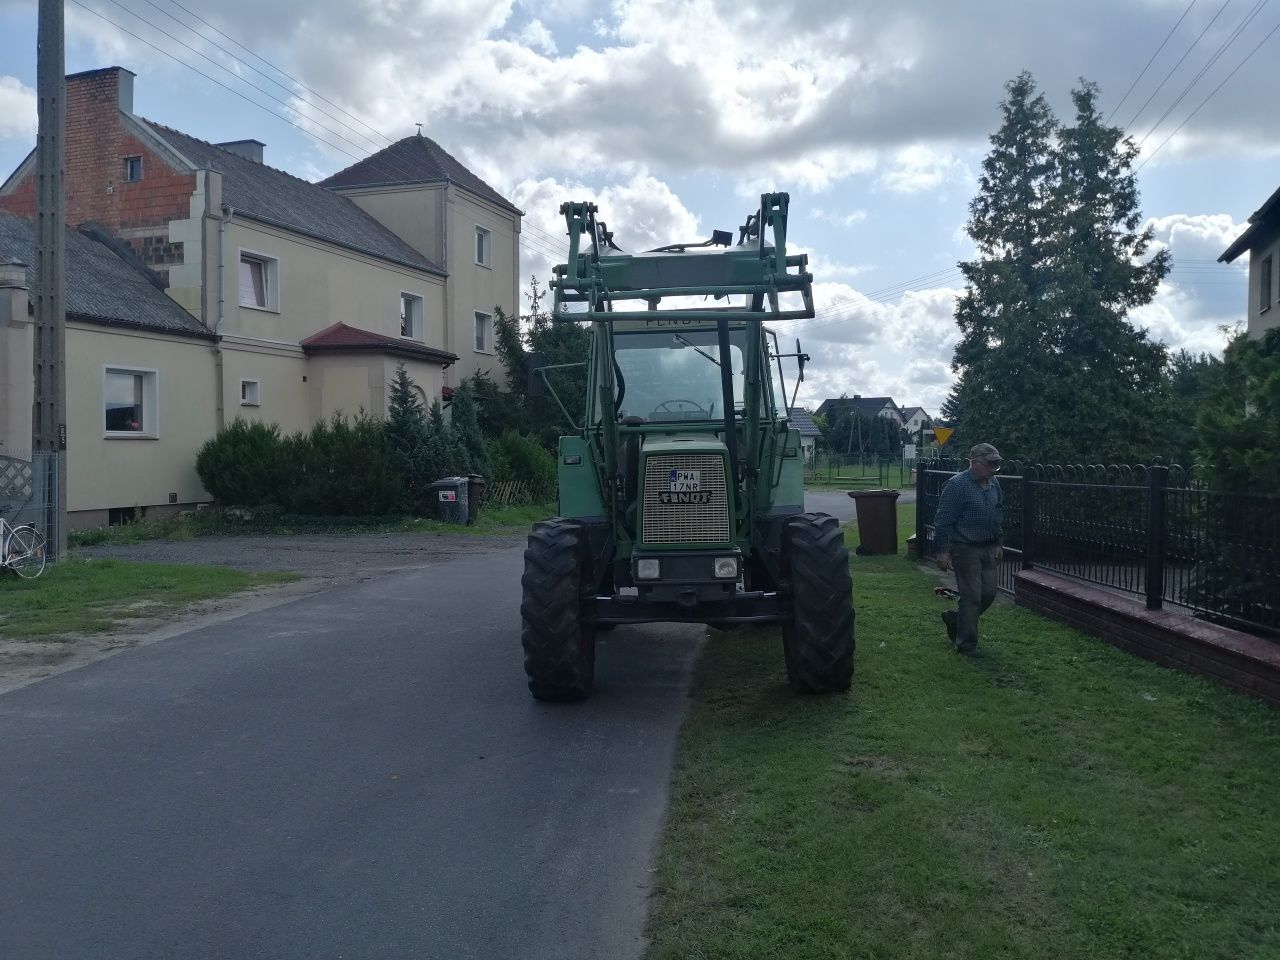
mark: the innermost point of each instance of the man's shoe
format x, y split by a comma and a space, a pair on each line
949, 618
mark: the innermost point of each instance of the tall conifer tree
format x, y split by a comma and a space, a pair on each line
1002, 314
1048, 364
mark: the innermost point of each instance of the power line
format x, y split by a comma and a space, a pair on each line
287, 89
1136, 79
1174, 69
226, 69
282, 73
555, 252
1235, 34
213, 80
1247, 58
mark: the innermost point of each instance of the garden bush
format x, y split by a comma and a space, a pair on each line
242, 465
524, 459
341, 468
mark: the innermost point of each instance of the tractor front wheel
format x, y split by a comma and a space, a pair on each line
559, 648
818, 638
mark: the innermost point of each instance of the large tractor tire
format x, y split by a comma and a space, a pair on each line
559, 648
817, 640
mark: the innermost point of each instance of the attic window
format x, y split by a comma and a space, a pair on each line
132, 169
483, 243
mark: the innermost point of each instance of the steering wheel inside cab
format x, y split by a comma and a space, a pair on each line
680, 410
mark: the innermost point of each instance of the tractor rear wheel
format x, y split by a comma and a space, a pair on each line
818, 639
559, 648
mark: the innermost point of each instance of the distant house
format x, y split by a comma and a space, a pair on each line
1262, 241
866, 406
913, 419
303, 298
802, 421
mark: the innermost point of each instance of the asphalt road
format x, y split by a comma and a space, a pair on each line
359, 773
840, 505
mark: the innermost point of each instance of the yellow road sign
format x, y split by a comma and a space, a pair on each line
943, 434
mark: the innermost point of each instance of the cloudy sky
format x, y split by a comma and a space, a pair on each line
675, 114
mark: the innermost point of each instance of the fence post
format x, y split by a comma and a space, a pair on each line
1028, 520
922, 546
1157, 481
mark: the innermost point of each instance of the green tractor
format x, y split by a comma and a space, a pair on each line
681, 493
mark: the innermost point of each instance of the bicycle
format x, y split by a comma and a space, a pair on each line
22, 549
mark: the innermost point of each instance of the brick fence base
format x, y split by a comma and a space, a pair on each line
1248, 664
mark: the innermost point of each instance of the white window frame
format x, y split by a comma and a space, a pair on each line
488, 331
270, 278
484, 246
127, 178
253, 396
1266, 283
417, 323
150, 403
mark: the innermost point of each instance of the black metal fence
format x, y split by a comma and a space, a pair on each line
1157, 532
859, 470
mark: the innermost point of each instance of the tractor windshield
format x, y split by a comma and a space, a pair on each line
676, 376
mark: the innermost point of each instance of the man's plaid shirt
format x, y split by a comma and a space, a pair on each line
967, 513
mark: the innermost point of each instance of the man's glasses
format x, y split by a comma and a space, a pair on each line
995, 465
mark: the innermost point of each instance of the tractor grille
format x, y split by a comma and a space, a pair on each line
685, 522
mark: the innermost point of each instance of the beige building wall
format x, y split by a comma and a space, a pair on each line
1261, 320
280, 372
474, 287
17, 343
440, 221
150, 468
317, 285
413, 212
350, 382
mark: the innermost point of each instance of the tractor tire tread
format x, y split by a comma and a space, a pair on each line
819, 640
558, 659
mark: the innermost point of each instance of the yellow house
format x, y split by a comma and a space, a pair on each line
139, 378
301, 300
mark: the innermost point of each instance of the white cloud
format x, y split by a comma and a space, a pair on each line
536, 35
900, 348
840, 219
642, 212
1202, 236
17, 110
920, 167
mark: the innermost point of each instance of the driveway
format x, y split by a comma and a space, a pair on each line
358, 773
840, 505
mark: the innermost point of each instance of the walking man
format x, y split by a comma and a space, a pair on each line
968, 537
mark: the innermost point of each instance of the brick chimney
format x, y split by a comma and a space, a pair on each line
93, 144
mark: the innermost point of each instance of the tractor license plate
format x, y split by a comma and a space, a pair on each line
686, 481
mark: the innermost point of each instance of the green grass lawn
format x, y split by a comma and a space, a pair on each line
493, 521
1052, 798
90, 596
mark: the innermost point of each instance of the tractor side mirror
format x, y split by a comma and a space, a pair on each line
801, 359
535, 382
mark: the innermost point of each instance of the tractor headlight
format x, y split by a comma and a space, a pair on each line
726, 567
648, 569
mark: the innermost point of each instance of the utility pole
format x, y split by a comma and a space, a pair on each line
48, 418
